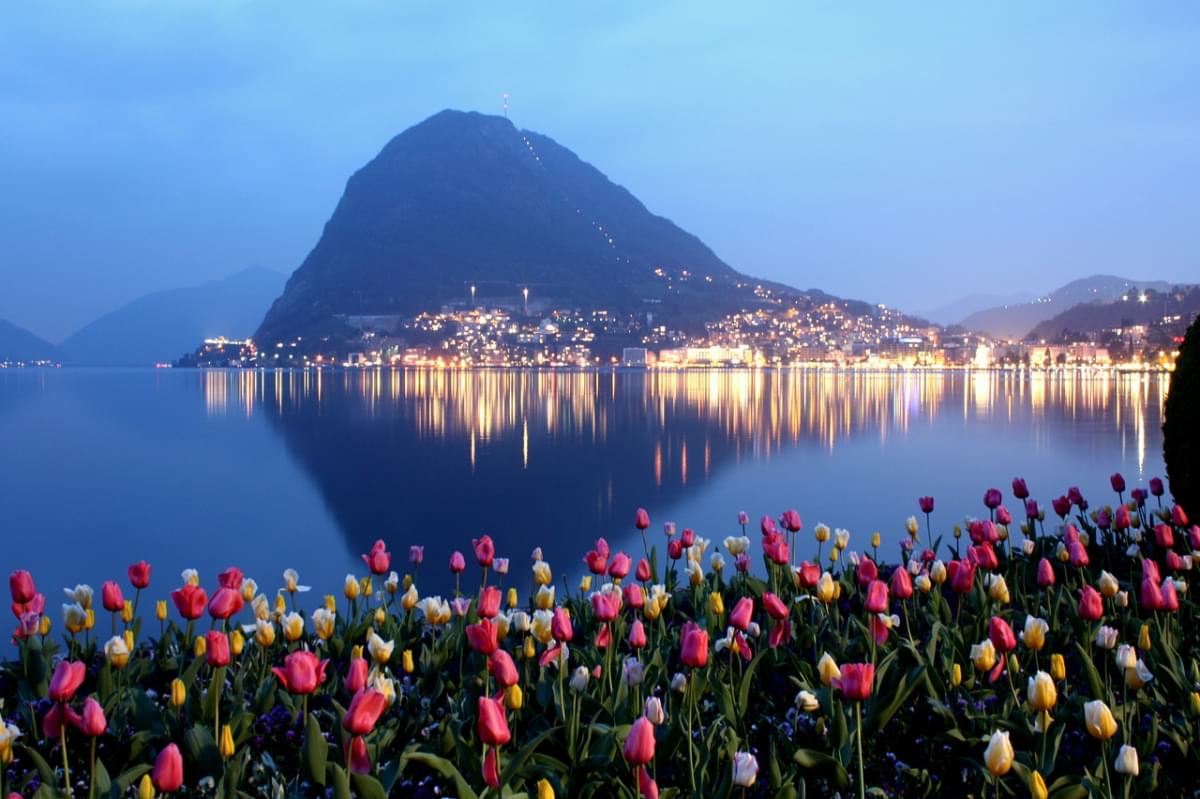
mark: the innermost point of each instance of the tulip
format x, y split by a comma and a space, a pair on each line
190, 601
1106, 637
178, 693
500, 663
293, 627
145, 788
302, 672
694, 646
485, 551
962, 576
1091, 606
742, 612
483, 637
637, 635
653, 710
541, 573
358, 760
1034, 634
901, 584
21, 586
992, 498
579, 679
983, 655
111, 598
68, 676
1127, 761
225, 746
997, 589
167, 774
356, 677
92, 722
160, 610
365, 709
866, 571
216, 649
116, 652
641, 519
1042, 693
1001, 635
1058, 667
745, 769
378, 560
956, 675
458, 563
225, 602
544, 789
998, 757
828, 669
827, 589
323, 623
620, 566
856, 681
639, 744
774, 606
493, 727
606, 605
1098, 720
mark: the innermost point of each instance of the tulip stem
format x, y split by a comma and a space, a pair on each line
862, 782
62, 731
92, 789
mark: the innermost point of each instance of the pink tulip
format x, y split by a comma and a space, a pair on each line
1091, 607
303, 671
225, 603
1001, 635
621, 563
808, 574
606, 605
1178, 517
604, 637
641, 519
637, 635
856, 681
643, 570
1045, 573
483, 636
674, 549
901, 583
416, 554
962, 575
597, 559
489, 602
1156, 486
688, 536
139, 575
58, 715
111, 597
791, 520
877, 597
926, 504
1077, 554
1164, 536
190, 601
781, 633
693, 649
493, 726
365, 709
485, 550
774, 606
356, 677
742, 613
646, 785
1170, 598
20, 584
378, 560
992, 498
634, 596
167, 775
866, 571
457, 562
231, 578
491, 768
216, 649
92, 722
501, 665
68, 676
639, 744
560, 625
357, 755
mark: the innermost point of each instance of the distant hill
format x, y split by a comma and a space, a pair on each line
954, 312
18, 344
1014, 321
165, 324
1086, 320
465, 199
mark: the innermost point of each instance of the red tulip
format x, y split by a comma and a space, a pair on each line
500, 664
639, 744
111, 597
693, 646
688, 536
457, 562
597, 559
1178, 517
641, 519
1020, 490
808, 574
356, 677
231, 578
1164, 536
56, 716
791, 520
674, 549
634, 596
767, 525
984, 555
167, 775
992, 498
489, 602
1045, 573
1077, 553
866, 572
742, 613
92, 723
216, 650
621, 563
560, 625
1117, 482
190, 601
365, 709
879, 629
378, 560
781, 633
303, 671
926, 504
485, 550
1003, 516
643, 570
139, 575
637, 634
1001, 635
491, 767
225, 602
358, 756
774, 606
856, 681
962, 575
483, 637
1121, 518
901, 583
20, 584
606, 605
877, 597
775, 548
35, 605
1156, 486
492, 727
1091, 606
68, 676
1170, 598
1151, 594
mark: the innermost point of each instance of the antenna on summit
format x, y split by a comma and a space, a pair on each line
505, 96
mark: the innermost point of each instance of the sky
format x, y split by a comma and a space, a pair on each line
907, 154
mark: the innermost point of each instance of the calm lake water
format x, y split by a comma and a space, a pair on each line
268, 470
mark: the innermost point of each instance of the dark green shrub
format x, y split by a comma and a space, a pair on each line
1181, 425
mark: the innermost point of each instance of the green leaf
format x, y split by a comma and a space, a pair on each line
45, 773
368, 787
446, 769
341, 783
1090, 674
316, 751
202, 750
514, 764
823, 763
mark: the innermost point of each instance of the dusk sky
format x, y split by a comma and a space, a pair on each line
902, 154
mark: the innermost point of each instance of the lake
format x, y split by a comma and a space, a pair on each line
304, 469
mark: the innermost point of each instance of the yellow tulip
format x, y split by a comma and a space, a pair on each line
237, 643
956, 675
330, 603
380, 616
322, 622
90, 621
264, 633
513, 697
74, 617
997, 588
544, 789
128, 636
249, 590
911, 527
983, 655
716, 603
544, 598
1144, 638
127, 611
116, 652
1034, 634
875, 540
651, 610
280, 605
513, 598
406, 661
368, 587
827, 667
1108, 585
998, 757
44, 628
408, 581
8, 734
821, 533
1037, 786
1058, 667
826, 588
1099, 720
1043, 694
938, 572
293, 627
146, 788
530, 649
178, 693
585, 583
226, 745
351, 588
356, 652
542, 574
410, 598
200, 646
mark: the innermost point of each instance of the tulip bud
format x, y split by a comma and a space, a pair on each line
1099, 720
1194, 699
408, 581
351, 588
1014, 665
544, 789
530, 649
998, 757
237, 642
406, 661
585, 584
226, 744
1127, 761
513, 697
127, 611
368, 587
956, 675
330, 603
200, 647
513, 598
875, 540
1058, 667
1144, 638
44, 627
380, 616
716, 603
178, 693
1037, 786
145, 788
90, 619
827, 667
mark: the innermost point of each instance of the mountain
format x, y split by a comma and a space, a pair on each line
954, 312
18, 344
465, 199
1014, 321
163, 325
1148, 307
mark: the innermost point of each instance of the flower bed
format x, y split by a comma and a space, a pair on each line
1054, 656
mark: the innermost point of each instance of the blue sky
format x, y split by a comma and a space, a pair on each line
899, 153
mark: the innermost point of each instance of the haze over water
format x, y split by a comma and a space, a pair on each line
273, 469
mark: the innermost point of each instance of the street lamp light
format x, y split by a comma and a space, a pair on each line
525, 294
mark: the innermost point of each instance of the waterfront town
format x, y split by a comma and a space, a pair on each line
522, 333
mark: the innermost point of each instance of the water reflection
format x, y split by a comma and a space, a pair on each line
535, 456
